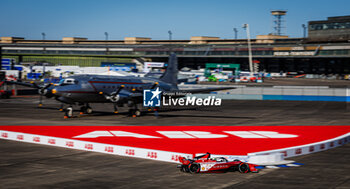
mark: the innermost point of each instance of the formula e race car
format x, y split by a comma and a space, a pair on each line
205, 164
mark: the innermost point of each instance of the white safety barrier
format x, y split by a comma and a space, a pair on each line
172, 157
308, 148
277, 157
272, 157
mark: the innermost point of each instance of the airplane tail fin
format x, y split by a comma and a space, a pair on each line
170, 75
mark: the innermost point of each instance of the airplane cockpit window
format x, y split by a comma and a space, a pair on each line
68, 81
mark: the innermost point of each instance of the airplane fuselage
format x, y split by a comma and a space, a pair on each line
95, 88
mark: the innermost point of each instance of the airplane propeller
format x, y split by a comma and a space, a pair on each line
119, 89
154, 85
42, 91
114, 96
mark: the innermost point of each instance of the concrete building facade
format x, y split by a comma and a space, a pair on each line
325, 51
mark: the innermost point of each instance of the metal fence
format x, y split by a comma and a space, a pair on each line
297, 93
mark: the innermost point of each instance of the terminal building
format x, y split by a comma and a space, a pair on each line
332, 29
326, 50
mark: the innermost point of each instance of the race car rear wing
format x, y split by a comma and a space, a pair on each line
207, 156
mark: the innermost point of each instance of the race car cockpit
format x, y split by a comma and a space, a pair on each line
220, 159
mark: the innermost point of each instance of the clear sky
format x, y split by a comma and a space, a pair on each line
154, 18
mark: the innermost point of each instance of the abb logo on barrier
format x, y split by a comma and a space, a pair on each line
20, 137
284, 153
51, 141
152, 155
89, 146
69, 143
5, 135
109, 149
311, 148
189, 134
175, 157
36, 139
130, 152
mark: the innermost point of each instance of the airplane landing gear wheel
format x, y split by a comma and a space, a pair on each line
135, 113
115, 108
85, 110
89, 110
69, 112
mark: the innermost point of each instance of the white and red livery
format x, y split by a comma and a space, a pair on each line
205, 164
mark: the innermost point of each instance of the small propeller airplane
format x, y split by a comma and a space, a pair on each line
120, 90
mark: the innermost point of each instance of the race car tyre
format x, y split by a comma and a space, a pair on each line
194, 168
184, 169
243, 168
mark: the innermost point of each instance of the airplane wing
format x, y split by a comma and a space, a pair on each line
21, 83
136, 96
132, 94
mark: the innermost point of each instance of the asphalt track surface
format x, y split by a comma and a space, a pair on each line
25, 111
24, 165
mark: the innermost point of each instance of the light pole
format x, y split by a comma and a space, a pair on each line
304, 28
246, 27
170, 34
43, 34
236, 31
106, 34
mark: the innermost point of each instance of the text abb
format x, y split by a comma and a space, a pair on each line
189, 134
